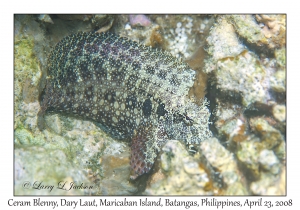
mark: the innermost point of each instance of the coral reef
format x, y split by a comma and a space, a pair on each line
261, 30
222, 42
184, 33
223, 160
236, 70
180, 173
240, 66
247, 70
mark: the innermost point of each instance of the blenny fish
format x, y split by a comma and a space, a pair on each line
130, 90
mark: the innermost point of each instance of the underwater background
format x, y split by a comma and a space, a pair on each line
240, 62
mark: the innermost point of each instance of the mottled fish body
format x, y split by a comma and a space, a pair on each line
132, 91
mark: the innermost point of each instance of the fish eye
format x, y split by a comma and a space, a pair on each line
188, 120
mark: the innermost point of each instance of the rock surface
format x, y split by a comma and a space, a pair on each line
243, 58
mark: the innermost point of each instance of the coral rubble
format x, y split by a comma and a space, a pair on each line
240, 64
